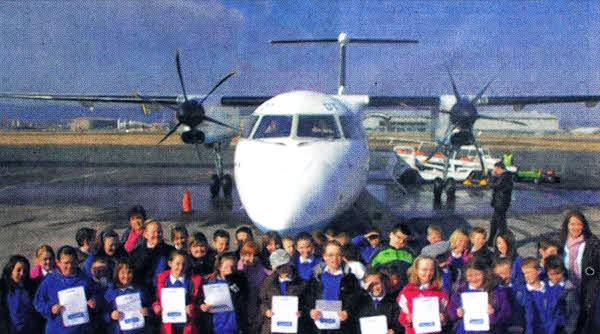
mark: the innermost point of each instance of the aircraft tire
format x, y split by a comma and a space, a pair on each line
438, 187
215, 185
227, 183
451, 189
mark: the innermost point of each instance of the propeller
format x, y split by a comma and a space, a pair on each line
191, 112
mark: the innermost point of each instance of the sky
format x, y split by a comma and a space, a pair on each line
119, 47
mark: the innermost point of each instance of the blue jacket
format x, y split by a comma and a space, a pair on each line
23, 317
305, 269
366, 250
47, 296
110, 296
543, 314
515, 295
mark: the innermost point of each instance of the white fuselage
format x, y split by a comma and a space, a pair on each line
301, 178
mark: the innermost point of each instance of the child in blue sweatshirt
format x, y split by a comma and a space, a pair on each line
306, 259
514, 290
542, 314
18, 293
368, 244
46, 297
122, 286
563, 296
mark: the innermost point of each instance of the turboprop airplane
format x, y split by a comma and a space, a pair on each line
303, 157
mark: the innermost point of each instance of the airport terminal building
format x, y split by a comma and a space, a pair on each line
396, 120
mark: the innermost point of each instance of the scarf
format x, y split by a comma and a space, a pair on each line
573, 247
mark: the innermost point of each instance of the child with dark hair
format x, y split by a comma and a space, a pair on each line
480, 279
271, 241
122, 285
85, 238
546, 247
230, 321
176, 277
45, 262
179, 237
18, 294
563, 297
503, 269
69, 276
242, 234
375, 301
368, 243
505, 248
351, 256
220, 241
479, 250
132, 237
107, 246
201, 256
306, 259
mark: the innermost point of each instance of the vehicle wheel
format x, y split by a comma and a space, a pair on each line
537, 181
227, 183
215, 185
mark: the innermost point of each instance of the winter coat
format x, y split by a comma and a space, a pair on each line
271, 287
140, 240
349, 295
484, 255
47, 296
204, 265
502, 186
256, 274
17, 303
498, 320
589, 285
192, 285
239, 289
412, 291
386, 306
147, 263
110, 296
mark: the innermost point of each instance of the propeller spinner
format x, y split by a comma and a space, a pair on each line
191, 112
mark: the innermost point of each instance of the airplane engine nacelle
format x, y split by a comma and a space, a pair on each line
193, 137
461, 138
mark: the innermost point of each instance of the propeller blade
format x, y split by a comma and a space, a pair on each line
217, 85
170, 133
456, 94
502, 119
206, 118
484, 89
178, 63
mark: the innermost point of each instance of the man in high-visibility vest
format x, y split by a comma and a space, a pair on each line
507, 159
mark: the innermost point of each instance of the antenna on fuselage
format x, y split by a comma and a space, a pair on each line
343, 40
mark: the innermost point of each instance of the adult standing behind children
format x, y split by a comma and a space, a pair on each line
502, 186
132, 237
582, 260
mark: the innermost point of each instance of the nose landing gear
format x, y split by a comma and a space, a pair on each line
439, 186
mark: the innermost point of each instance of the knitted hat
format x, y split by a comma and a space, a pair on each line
279, 258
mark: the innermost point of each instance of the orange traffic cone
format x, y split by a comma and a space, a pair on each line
187, 201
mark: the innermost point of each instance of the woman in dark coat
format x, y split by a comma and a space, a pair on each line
582, 259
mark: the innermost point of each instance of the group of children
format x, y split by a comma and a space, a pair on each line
367, 276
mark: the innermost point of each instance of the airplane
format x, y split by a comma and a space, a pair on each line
303, 157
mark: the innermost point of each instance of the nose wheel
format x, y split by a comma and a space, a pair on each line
225, 183
215, 185
439, 186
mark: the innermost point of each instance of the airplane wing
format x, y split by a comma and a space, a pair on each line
519, 101
128, 99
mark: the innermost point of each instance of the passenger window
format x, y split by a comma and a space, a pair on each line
272, 126
318, 127
352, 129
249, 126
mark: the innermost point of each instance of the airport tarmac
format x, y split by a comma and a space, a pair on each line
48, 192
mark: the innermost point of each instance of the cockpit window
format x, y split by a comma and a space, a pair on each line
272, 126
318, 127
249, 126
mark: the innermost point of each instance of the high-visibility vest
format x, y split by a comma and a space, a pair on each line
507, 159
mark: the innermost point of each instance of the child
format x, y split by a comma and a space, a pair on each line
306, 259
107, 245
424, 281
85, 238
503, 269
453, 272
179, 237
133, 236
437, 245
242, 234
289, 244
256, 274
18, 295
375, 301
202, 257
333, 281
176, 277
546, 248
505, 248
44, 263
220, 241
563, 296
122, 285
368, 244
271, 241
351, 257
68, 276
282, 282
480, 251
230, 321
479, 279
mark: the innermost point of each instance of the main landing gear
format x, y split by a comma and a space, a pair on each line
439, 186
224, 182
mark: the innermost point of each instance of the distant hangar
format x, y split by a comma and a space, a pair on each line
394, 120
